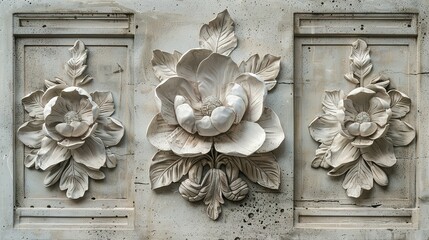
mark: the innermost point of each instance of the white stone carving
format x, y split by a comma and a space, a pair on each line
212, 122
358, 131
70, 130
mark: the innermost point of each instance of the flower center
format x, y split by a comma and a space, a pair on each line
209, 104
362, 117
71, 116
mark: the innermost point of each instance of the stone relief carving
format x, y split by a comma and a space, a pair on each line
70, 130
213, 123
358, 131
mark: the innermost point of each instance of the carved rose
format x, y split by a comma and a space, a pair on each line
358, 132
70, 129
212, 102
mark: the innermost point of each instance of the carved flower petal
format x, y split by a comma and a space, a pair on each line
241, 140
71, 143
361, 142
400, 103
104, 100
238, 105
91, 154
90, 131
214, 73
400, 133
75, 93
359, 97
54, 111
367, 128
71, 130
185, 144
51, 153
205, 127
256, 92
381, 93
31, 134
168, 90
237, 90
52, 133
349, 111
346, 154
88, 111
380, 132
339, 142
324, 128
188, 64
79, 128
110, 131
158, 132
33, 103
52, 92
186, 117
354, 129
222, 118
378, 112
274, 134
380, 152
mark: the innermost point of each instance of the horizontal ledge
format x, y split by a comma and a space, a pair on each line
354, 218
56, 218
66, 24
381, 24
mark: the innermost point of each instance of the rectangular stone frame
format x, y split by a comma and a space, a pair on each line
322, 49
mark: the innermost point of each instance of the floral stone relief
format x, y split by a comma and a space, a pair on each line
213, 123
358, 131
70, 130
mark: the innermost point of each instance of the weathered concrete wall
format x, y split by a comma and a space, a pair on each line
133, 210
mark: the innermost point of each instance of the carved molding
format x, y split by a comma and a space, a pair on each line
358, 131
213, 123
70, 130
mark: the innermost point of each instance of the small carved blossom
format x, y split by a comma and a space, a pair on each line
70, 129
357, 132
212, 122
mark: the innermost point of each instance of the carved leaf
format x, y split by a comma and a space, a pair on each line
84, 80
381, 81
55, 82
76, 65
168, 167
92, 153
54, 174
164, 64
400, 103
33, 104
323, 157
333, 103
217, 184
30, 159
266, 69
380, 152
74, 179
351, 78
104, 100
357, 178
261, 168
111, 159
218, 36
110, 131
192, 191
380, 177
31, 134
400, 133
238, 190
360, 60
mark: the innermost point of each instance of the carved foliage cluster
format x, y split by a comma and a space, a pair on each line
70, 130
358, 131
213, 123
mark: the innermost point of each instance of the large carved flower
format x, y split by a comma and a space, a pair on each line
367, 112
211, 102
